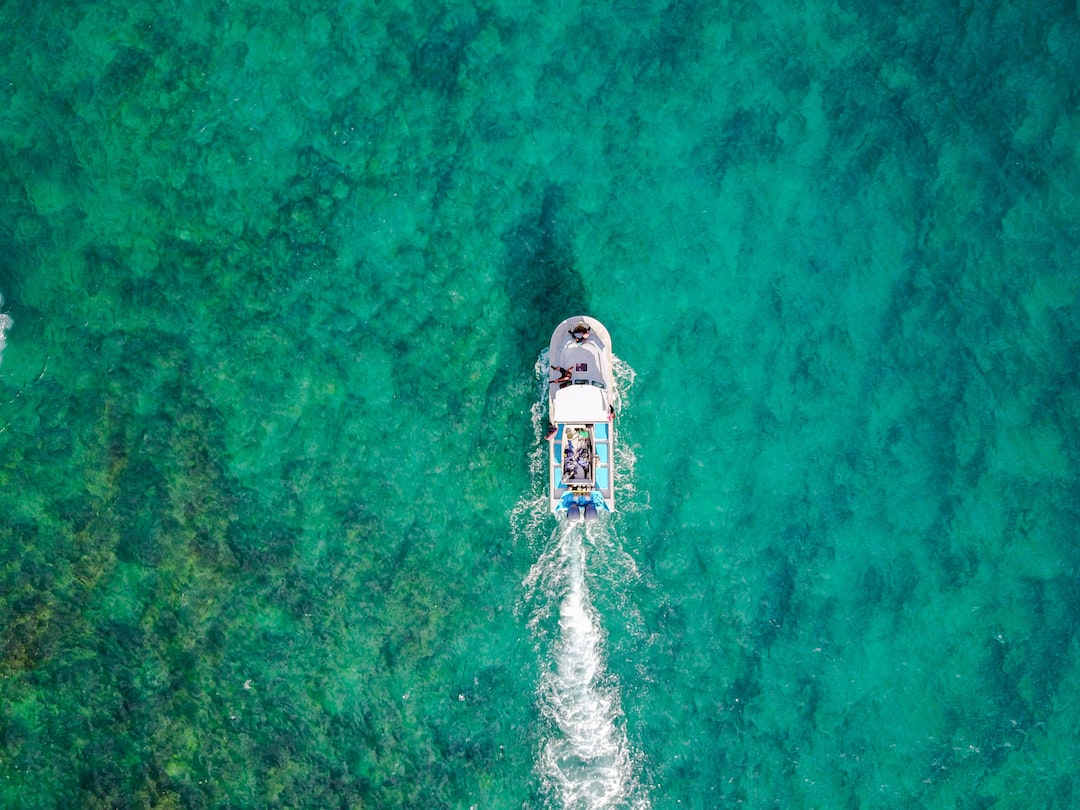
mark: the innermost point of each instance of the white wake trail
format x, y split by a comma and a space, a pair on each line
5, 324
585, 761
588, 763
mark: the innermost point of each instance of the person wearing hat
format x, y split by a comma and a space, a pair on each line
581, 332
580, 335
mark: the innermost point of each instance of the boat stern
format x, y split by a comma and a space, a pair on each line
582, 478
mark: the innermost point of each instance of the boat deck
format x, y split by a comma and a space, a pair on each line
581, 459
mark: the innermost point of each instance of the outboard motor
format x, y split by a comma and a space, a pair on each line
590, 512
573, 512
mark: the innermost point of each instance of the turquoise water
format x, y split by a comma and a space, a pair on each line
275, 282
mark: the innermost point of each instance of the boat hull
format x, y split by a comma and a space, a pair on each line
581, 407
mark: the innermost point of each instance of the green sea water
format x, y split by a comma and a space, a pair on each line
276, 279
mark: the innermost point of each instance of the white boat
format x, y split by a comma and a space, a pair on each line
581, 409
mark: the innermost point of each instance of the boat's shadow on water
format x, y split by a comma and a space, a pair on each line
539, 272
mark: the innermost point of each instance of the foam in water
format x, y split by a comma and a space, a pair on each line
5, 324
586, 762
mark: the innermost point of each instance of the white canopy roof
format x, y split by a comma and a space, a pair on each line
581, 403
